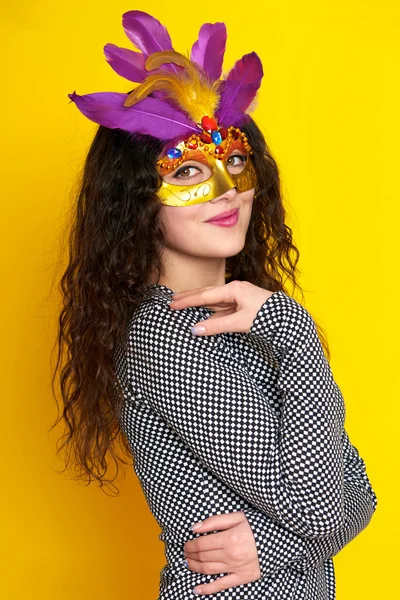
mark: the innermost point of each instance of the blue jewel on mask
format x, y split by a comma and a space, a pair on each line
174, 153
216, 137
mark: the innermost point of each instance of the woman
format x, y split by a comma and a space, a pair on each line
223, 394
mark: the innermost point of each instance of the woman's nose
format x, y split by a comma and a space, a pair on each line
228, 195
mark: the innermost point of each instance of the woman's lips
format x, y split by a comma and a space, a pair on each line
229, 220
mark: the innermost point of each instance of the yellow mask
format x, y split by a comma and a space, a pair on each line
214, 156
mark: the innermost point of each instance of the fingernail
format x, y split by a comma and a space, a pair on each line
197, 329
196, 591
196, 525
186, 563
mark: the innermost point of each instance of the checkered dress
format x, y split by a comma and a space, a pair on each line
242, 421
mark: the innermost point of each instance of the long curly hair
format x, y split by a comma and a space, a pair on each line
115, 241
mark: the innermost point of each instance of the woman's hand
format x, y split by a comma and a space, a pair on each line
236, 305
232, 551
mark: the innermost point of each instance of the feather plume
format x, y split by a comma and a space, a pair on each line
174, 91
153, 116
240, 88
190, 89
127, 63
208, 51
147, 33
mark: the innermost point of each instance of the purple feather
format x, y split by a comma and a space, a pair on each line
126, 63
150, 116
129, 64
147, 33
239, 89
208, 51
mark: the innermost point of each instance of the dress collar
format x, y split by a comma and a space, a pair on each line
157, 289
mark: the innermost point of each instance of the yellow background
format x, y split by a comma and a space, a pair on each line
329, 109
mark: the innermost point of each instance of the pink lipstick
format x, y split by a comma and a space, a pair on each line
225, 219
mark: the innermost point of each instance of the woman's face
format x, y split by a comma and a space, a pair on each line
186, 228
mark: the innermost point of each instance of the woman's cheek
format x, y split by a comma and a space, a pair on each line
181, 228
247, 202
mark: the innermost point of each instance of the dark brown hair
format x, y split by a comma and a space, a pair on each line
115, 241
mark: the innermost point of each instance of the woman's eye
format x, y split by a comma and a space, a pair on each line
241, 159
184, 172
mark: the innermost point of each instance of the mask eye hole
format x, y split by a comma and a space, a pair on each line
236, 162
189, 173
186, 172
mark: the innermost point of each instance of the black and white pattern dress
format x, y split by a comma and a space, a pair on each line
242, 421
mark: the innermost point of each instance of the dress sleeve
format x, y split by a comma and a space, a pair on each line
289, 467
278, 548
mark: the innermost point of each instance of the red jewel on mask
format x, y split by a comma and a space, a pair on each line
192, 145
206, 138
219, 150
209, 124
223, 132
